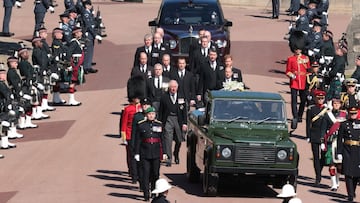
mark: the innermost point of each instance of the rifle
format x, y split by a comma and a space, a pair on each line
99, 25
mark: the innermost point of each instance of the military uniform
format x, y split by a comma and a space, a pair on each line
349, 148
8, 4
148, 144
41, 6
296, 70
314, 117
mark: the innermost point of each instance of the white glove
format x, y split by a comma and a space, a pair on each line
40, 86
137, 157
98, 37
55, 76
309, 97
12, 113
12, 96
51, 9
322, 147
339, 157
57, 58
27, 97
21, 109
316, 50
5, 123
307, 139
17, 4
290, 27
165, 157
310, 52
322, 60
69, 68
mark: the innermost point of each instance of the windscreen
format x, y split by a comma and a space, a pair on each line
190, 14
248, 110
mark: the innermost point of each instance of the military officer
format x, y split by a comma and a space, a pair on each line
348, 150
315, 41
356, 73
65, 26
136, 166
61, 55
77, 58
5, 100
149, 147
312, 82
8, 4
302, 23
91, 35
40, 9
296, 69
329, 132
314, 117
27, 73
351, 97
327, 48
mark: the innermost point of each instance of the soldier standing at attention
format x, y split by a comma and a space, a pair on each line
314, 119
275, 9
41, 6
149, 147
348, 145
296, 69
8, 4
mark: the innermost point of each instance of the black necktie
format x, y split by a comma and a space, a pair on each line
182, 74
158, 82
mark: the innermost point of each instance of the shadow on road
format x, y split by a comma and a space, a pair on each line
340, 197
113, 135
128, 196
227, 187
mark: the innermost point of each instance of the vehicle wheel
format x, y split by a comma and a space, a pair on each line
279, 182
210, 183
192, 171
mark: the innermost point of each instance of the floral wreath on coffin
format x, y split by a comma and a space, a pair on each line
233, 86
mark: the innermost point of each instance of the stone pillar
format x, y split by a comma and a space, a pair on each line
353, 35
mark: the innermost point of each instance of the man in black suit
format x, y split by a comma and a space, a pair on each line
156, 86
229, 73
196, 43
168, 69
186, 82
173, 115
199, 55
158, 49
147, 48
143, 68
208, 75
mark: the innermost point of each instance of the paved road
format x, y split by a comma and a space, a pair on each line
75, 156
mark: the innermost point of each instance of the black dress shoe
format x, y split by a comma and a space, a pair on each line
177, 161
91, 70
350, 199
275, 17
168, 164
288, 10
292, 13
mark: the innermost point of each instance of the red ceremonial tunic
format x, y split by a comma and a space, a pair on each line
127, 118
297, 66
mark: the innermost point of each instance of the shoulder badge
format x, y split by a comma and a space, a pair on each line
143, 120
157, 121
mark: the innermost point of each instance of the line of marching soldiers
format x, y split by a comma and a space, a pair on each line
161, 91
30, 77
332, 118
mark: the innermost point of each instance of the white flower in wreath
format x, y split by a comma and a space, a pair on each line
233, 86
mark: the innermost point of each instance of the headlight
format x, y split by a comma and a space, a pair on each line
226, 152
172, 44
221, 43
282, 154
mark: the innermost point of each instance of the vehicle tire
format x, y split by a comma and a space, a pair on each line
279, 182
293, 181
192, 171
210, 183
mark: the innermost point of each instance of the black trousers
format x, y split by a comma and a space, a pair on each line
318, 159
295, 112
351, 183
6, 20
151, 168
275, 8
39, 20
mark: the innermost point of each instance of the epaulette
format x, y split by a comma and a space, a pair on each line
157, 121
56, 46
143, 120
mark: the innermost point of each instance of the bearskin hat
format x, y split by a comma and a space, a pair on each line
136, 87
297, 41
